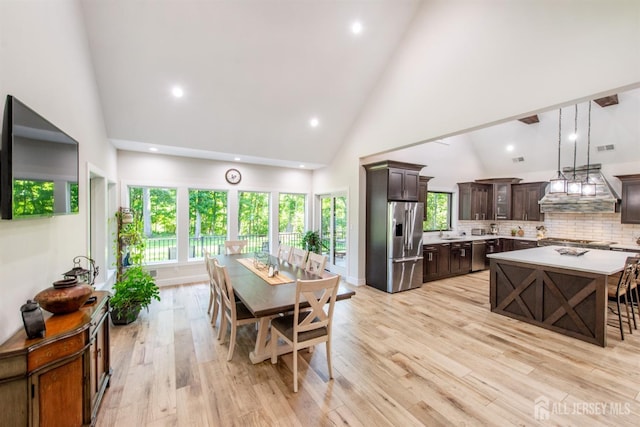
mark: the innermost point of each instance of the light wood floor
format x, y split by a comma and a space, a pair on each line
431, 356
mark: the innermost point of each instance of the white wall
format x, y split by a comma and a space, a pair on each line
182, 173
469, 63
45, 63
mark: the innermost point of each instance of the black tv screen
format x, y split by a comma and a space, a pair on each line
38, 165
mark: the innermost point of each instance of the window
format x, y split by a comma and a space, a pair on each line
438, 211
291, 210
207, 222
253, 220
158, 207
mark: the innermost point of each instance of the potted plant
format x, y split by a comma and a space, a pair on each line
135, 288
311, 241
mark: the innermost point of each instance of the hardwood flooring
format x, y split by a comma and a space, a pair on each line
431, 356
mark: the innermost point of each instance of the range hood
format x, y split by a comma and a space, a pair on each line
605, 201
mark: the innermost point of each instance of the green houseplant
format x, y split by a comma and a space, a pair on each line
135, 288
311, 241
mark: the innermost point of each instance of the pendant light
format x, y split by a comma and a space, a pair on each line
558, 184
574, 186
588, 187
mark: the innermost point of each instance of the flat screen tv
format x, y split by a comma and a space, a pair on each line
38, 165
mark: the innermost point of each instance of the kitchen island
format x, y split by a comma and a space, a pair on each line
563, 293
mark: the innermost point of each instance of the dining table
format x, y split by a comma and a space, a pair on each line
251, 285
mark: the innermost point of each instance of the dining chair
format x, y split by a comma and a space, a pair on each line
284, 252
620, 288
304, 329
316, 263
233, 247
235, 313
298, 257
215, 298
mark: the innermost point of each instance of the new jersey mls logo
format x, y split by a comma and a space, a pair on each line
541, 408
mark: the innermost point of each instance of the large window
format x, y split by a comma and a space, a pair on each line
291, 210
253, 220
438, 211
158, 208
207, 222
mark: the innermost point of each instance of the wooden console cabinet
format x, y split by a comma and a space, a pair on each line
58, 380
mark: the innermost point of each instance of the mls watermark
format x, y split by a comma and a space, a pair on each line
544, 408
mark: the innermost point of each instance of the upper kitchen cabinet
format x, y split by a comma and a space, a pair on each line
423, 190
525, 199
630, 208
398, 180
474, 201
501, 196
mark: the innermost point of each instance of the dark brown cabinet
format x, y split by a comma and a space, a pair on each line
525, 199
58, 380
630, 207
436, 263
475, 201
460, 259
403, 185
524, 244
423, 190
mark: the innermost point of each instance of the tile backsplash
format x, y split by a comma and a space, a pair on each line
599, 226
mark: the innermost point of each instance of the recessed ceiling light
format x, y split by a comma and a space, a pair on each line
302, 166
314, 122
573, 136
356, 27
154, 149
177, 91
509, 147
237, 159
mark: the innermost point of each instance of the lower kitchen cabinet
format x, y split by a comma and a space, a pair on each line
524, 244
57, 380
460, 258
436, 263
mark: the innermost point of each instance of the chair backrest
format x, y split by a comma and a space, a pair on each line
235, 246
629, 274
321, 296
298, 257
208, 263
284, 253
225, 286
316, 263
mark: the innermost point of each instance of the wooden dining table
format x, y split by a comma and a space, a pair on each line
266, 301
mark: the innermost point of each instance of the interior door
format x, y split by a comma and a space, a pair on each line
333, 231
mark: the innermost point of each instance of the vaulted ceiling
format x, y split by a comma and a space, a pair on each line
254, 73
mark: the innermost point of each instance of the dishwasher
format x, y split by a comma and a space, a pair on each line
478, 252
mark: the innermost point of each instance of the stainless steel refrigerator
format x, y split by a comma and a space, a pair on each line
404, 246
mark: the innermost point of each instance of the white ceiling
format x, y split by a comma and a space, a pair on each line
254, 73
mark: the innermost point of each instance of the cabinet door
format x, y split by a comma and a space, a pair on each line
444, 263
501, 201
465, 258
464, 202
481, 202
422, 194
430, 264
59, 396
13, 403
630, 201
395, 190
518, 202
534, 193
411, 186
524, 244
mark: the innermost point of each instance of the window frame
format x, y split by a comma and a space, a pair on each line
449, 211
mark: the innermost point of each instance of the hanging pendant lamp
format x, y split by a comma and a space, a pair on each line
588, 186
558, 184
574, 185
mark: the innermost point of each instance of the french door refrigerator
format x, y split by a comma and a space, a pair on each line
401, 253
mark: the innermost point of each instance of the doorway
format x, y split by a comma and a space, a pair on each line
333, 231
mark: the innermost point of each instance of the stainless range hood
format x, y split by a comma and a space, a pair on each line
605, 201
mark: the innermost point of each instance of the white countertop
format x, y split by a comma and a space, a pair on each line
595, 261
436, 240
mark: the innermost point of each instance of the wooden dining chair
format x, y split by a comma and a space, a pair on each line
316, 263
235, 313
284, 253
215, 298
304, 329
298, 257
233, 247
622, 288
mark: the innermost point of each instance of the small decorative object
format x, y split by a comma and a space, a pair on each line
82, 274
271, 271
33, 320
126, 216
540, 230
520, 231
65, 296
513, 231
233, 176
572, 251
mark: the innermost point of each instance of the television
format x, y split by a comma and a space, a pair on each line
38, 165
